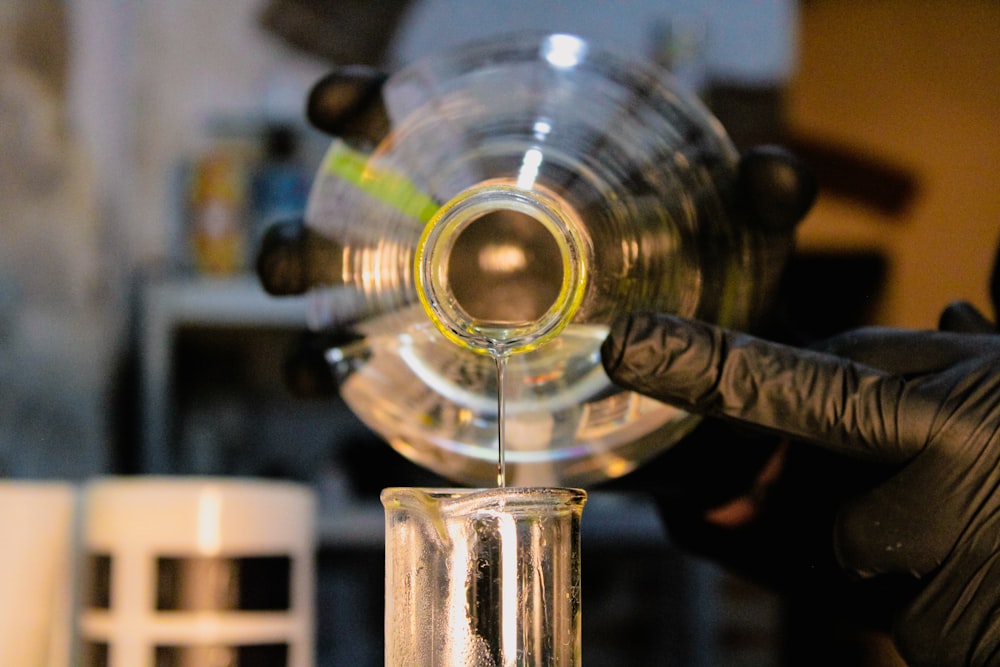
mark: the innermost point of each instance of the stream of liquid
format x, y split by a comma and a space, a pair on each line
501, 361
499, 348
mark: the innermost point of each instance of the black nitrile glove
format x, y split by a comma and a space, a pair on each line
291, 258
347, 103
903, 492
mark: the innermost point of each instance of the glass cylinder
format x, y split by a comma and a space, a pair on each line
482, 578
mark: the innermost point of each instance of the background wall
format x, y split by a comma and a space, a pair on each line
152, 81
916, 84
58, 292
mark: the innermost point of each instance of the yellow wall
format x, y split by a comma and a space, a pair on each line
916, 82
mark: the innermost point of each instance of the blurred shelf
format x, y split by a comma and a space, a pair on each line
170, 304
231, 300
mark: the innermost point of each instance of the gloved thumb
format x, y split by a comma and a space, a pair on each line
777, 188
963, 317
347, 102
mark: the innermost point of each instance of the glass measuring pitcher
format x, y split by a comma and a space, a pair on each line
482, 578
530, 190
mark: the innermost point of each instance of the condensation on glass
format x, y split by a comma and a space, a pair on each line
482, 578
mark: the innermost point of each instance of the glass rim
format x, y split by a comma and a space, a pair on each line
504, 498
543, 206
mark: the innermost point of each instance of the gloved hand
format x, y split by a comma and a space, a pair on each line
889, 469
347, 103
291, 259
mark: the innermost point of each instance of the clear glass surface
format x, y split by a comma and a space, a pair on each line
482, 578
550, 128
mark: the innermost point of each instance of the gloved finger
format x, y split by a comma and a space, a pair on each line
903, 525
955, 618
907, 352
292, 259
901, 528
281, 262
305, 369
963, 317
776, 187
802, 394
347, 102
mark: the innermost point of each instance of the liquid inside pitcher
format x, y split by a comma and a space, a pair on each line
482, 578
